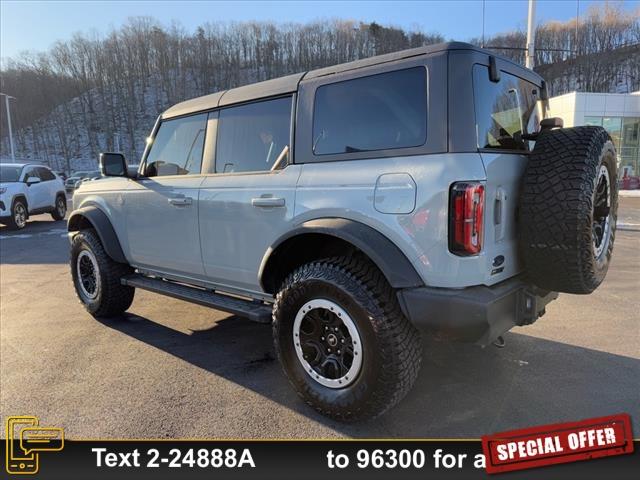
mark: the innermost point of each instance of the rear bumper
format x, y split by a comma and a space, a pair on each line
475, 314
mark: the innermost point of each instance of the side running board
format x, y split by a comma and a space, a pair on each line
254, 311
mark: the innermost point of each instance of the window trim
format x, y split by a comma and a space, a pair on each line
436, 99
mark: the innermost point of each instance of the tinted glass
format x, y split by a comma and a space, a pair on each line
379, 112
45, 174
30, 172
177, 147
9, 173
252, 137
504, 110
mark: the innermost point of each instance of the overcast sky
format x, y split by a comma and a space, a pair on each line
35, 25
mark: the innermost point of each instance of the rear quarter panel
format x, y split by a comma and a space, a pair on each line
346, 189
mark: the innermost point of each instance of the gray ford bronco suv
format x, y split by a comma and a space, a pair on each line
353, 208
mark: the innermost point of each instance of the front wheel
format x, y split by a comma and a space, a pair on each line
19, 215
342, 339
96, 277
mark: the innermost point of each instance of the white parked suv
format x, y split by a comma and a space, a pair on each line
27, 189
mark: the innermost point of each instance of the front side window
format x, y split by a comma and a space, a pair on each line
30, 172
378, 112
253, 137
177, 147
505, 110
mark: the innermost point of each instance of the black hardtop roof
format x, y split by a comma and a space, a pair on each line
289, 84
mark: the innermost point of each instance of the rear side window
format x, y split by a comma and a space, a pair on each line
252, 137
177, 147
45, 174
379, 112
505, 110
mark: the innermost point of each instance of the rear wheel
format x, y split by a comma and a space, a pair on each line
60, 208
342, 339
19, 215
96, 277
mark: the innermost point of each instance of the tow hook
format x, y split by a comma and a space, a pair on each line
499, 342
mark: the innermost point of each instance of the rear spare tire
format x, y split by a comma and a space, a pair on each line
568, 209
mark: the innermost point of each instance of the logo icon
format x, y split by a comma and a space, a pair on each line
25, 440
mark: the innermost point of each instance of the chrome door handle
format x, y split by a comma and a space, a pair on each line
180, 201
268, 202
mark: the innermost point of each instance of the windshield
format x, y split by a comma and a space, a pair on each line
10, 173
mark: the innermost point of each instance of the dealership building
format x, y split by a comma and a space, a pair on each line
618, 113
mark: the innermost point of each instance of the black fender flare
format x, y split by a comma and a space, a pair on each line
99, 221
395, 266
23, 197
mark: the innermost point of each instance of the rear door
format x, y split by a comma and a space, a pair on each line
505, 110
247, 200
162, 206
49, 180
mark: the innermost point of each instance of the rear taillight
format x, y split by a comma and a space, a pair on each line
466, 212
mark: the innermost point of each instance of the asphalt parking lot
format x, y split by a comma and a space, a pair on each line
175, 370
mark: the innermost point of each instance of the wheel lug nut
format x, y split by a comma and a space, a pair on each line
329, 350
321, 338
338, 352
342, 340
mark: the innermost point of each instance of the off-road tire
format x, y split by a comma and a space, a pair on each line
392, 349
11, 221
55, 213
556, 209
113, 298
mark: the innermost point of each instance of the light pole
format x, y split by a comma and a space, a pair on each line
531, 34
6, 99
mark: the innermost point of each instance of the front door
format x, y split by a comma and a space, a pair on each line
248, 200
37, 193
162, 206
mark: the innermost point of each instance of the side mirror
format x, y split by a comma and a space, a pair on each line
553, 122
32, 180
113, 165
